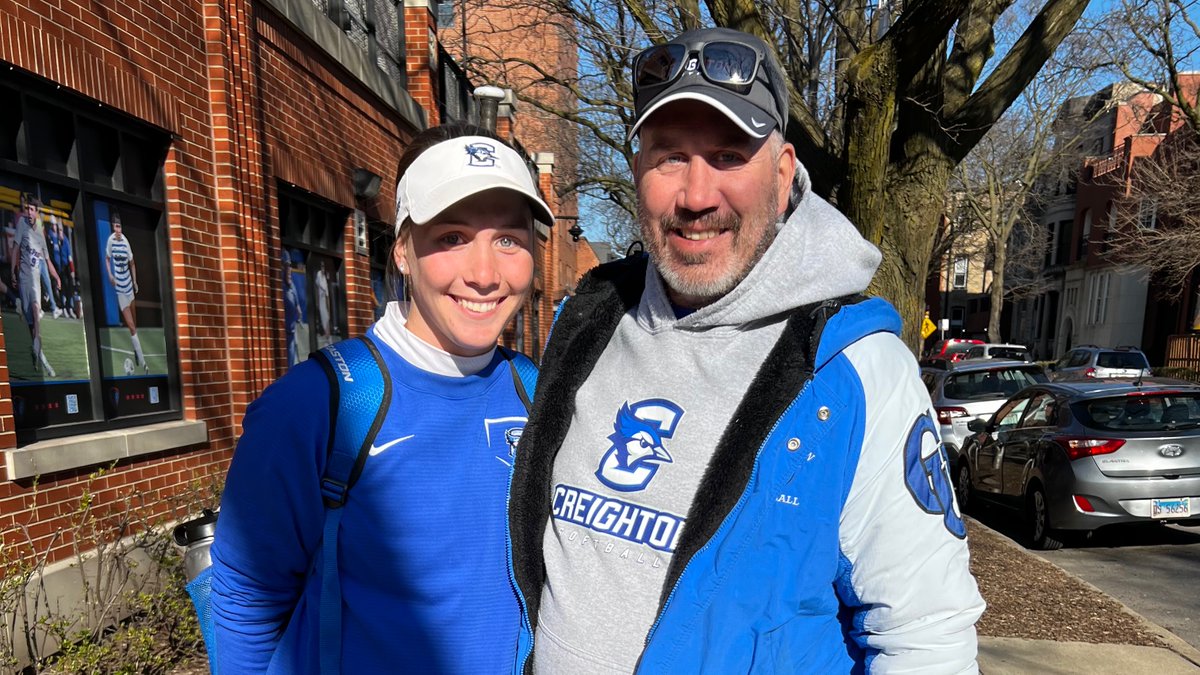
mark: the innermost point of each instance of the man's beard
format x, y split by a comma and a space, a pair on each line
684, 273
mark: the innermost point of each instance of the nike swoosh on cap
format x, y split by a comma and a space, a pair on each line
757, 124
376, 449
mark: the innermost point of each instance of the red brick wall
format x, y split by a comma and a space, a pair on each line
146, 59
247, 100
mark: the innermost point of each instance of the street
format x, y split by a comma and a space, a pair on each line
1148, 568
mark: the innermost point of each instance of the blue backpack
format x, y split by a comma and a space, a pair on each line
359, 381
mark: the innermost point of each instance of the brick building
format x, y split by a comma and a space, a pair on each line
246, 149
1089, 296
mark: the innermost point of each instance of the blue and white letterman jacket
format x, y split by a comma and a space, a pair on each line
824, 537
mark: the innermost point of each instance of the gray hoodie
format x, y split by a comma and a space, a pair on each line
620, 490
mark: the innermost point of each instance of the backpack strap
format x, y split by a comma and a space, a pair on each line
360, 392
525, 375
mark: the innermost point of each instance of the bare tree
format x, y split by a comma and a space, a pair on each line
890, 97
1155, 44
1158, 225
1002, 181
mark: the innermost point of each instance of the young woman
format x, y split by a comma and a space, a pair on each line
422, 551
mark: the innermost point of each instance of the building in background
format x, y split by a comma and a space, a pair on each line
509, 45
246, 152
1090, 296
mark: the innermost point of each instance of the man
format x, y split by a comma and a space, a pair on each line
28, 261
732, 464
122, 276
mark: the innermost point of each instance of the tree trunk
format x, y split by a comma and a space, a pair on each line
911, 210
997, 293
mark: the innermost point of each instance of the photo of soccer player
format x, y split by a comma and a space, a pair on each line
132, 340
294, 301
43, 342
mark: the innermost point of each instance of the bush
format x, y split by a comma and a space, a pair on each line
134, 617
1178, 373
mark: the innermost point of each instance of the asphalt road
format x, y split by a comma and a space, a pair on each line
1151, 569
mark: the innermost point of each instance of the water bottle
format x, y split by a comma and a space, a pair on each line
196, 536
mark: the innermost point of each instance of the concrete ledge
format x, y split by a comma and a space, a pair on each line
304, 16
64, 454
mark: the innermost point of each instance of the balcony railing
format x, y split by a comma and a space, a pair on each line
1101, 166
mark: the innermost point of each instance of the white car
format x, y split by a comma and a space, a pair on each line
999, 351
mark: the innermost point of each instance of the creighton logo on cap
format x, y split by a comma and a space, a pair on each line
481, 154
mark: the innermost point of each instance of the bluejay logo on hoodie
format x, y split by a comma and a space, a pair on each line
637, 451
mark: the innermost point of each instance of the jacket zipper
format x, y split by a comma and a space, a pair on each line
737, 507
512, 579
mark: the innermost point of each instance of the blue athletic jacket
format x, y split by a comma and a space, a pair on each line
824, 537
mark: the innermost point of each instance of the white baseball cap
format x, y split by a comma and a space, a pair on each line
455, 169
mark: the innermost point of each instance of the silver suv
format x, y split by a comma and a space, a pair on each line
1089, 361
967, 390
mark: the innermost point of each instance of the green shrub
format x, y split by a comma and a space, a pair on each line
1178, 373
134, 617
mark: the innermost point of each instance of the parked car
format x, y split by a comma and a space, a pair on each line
999, 351
1090, 361
953, 349
1077, 456
967, 390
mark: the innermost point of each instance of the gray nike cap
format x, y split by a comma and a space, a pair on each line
757, 111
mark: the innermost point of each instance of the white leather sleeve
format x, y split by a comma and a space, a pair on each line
906, 565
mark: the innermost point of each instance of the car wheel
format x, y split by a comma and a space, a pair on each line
1038, 516
962, 488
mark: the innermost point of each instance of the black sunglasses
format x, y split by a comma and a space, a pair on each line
731, 65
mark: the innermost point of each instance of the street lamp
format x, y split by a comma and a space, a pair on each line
575, 230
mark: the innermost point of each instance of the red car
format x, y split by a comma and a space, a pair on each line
952, 350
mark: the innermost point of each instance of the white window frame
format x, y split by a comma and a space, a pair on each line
961, 265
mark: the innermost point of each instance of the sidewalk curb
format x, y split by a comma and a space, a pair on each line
1172, 641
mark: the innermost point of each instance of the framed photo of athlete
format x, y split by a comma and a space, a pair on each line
295, 305
129, 308
72, 294
45, 337
313, 286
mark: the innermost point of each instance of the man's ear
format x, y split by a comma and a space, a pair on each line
787, 175
637, 164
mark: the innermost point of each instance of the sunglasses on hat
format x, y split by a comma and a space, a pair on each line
727, 64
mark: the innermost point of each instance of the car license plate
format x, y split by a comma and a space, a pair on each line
1180, 507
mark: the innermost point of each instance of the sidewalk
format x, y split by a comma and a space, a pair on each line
1016, 656
1021, 656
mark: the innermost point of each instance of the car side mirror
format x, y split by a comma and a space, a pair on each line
977, 425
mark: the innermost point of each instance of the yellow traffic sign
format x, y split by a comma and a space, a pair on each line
927, 327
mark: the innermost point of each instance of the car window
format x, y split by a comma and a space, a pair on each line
1041, 411
1079, 357
1008, 416
975, 352
1125, 360
1014, 353
1142, 412
930, 380
992, 383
